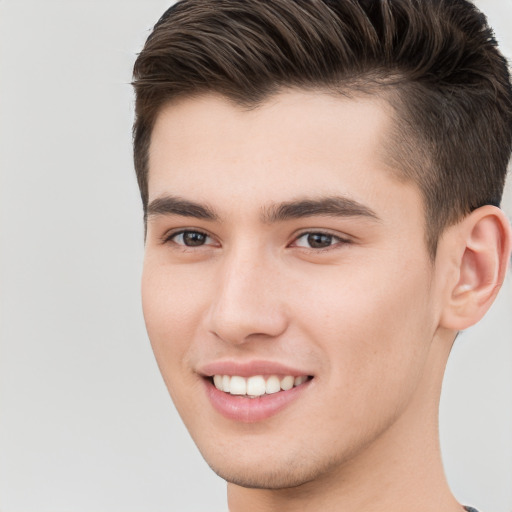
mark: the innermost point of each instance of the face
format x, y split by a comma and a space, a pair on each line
287, 289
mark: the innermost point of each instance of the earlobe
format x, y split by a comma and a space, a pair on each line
485, 243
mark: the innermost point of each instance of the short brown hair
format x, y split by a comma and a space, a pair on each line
435, 61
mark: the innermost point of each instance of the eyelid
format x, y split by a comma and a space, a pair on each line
168, 236
341, 239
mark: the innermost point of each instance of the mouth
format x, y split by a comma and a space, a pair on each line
257, 385
255, 391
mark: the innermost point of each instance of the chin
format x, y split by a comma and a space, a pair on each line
272, 478
269, 469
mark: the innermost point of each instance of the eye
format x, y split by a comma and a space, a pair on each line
189, 238
318, 240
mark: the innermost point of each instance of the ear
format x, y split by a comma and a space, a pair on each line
482, 249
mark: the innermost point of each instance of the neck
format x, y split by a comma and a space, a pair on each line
400, 471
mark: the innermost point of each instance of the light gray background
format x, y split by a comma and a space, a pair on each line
85, 421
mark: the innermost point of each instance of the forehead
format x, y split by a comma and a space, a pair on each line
297, 143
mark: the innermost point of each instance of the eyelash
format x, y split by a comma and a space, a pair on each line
335, 239
170, 238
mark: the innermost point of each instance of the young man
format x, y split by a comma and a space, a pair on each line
321, 182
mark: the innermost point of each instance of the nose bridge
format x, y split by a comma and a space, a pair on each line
246, 302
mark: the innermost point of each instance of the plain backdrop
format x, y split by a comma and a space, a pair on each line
85, 421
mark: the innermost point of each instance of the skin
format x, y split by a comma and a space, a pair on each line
368, 315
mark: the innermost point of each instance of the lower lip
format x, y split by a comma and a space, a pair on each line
251, 410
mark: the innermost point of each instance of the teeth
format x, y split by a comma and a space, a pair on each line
287, 383
217, 380
238, 385
300, 380
273, 385
257, 385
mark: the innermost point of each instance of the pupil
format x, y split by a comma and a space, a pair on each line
319, 240
193, 238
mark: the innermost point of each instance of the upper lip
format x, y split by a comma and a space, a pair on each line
249, 368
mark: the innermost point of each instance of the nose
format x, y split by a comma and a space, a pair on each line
248, 302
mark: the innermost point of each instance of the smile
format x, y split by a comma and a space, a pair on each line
256, 385
254, 398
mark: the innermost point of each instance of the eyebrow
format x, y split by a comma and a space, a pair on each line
332, 206
172, 205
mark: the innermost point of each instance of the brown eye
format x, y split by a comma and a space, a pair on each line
191, 238
319, 240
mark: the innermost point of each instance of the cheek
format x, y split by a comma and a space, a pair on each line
170, 303
375, 327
